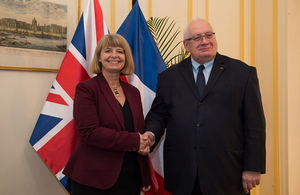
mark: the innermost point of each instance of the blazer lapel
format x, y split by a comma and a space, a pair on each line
187, 73
111, 100
217, 69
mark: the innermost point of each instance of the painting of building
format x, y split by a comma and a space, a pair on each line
46, 29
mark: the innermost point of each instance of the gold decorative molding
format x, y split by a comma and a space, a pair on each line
207, 10
32, 69
78, 10
242, 31
189, 10
252, 32
252, 53
149, 9
276, 100
129, 5
113, 16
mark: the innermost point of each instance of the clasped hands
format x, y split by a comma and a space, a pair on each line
146, 141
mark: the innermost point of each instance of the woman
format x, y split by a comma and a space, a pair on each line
109, 120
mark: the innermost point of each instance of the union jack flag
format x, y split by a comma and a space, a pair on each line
54, 136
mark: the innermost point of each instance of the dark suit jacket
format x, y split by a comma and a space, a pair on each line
220, 135
101, 136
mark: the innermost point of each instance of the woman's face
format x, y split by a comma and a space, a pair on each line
112, 59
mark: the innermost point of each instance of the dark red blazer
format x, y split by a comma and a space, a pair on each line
101, 136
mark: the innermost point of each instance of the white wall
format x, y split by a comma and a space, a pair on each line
21, 170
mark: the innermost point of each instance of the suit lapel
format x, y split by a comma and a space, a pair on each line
217, 69
111, 100
187, 73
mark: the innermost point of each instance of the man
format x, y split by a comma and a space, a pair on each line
215, 131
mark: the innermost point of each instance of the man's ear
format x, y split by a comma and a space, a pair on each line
185, 44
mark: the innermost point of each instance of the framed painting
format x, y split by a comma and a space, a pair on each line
35, 34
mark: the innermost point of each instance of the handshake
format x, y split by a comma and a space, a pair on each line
146, 141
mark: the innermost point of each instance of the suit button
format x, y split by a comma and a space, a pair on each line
195, 147
200, 104
198, 124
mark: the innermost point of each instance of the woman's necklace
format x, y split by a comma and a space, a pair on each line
116, 91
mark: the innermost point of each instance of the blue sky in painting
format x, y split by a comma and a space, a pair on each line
25, 10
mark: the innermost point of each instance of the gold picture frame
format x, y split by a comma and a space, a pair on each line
18, 59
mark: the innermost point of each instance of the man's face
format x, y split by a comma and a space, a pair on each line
202, 48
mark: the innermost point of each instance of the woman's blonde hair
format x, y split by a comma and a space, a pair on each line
113, 40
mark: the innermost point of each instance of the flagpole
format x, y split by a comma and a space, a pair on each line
133, 2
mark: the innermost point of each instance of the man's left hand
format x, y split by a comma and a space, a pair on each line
250, 180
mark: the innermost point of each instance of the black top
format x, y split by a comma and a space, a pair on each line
129, 180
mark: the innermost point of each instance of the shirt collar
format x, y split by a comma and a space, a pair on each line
208, 65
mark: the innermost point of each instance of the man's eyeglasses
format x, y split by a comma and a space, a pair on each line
198, 37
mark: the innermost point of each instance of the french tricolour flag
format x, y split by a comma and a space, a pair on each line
148, 64
54, 136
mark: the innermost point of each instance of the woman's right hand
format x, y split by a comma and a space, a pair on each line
145, 144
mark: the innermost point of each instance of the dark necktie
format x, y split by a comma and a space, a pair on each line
201, 80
